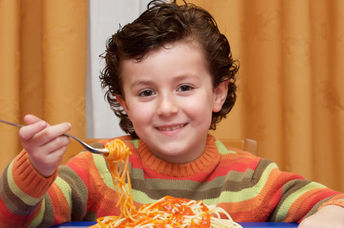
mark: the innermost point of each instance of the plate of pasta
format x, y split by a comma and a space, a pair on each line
166, 212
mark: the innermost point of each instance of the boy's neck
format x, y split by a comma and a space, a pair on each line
207, 160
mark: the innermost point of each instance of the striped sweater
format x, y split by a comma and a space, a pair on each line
248, 187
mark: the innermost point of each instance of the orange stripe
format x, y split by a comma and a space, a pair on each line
60, 205
27, 179
102, 198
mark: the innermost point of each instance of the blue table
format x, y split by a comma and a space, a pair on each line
244, 224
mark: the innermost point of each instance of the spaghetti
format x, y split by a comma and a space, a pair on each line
166, 212
118, 162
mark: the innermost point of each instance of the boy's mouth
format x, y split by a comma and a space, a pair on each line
171, 128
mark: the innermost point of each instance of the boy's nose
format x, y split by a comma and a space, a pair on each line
167, 106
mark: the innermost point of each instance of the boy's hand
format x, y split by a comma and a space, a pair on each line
44, 143
331, 216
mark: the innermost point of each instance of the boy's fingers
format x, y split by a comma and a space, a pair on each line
52, 132
48, 166
30, 119
29, 131
56, 144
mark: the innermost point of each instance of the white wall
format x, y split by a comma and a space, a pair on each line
104, 19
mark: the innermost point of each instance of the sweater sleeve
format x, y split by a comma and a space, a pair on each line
29, 199
298, 197
22, 191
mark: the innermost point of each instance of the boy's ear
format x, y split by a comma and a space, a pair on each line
220, 95
121, 101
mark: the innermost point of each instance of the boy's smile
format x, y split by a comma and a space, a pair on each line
170, 128
169, 97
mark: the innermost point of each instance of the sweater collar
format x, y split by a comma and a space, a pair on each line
208, 160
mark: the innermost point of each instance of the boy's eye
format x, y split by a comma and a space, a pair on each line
146, 93
183, 88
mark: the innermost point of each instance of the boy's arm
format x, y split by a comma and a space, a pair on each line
28, 178
22, 191
329, 215
306, 201
29, 199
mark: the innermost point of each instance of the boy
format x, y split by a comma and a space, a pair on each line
169, 77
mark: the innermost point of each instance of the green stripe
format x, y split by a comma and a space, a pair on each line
141, 197
135, 143
246, 193
233, 181
39, 217
285, 206
222, 148
289, 188
65, 188
13, 203
27, 199
103, 170
225, 196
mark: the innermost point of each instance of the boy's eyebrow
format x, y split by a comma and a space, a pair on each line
176, 79
140, 82
186, 76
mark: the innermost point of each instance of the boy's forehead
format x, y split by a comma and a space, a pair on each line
178, 60
183, 44
183, 55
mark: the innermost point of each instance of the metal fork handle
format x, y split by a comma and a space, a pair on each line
85, 145
10, 123
88, 147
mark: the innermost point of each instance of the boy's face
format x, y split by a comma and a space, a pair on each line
169, 97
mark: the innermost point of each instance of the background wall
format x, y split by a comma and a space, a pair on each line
43, 58
105, 18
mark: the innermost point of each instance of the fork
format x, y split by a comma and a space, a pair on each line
85, 145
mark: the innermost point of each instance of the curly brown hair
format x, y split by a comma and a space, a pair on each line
160, 24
